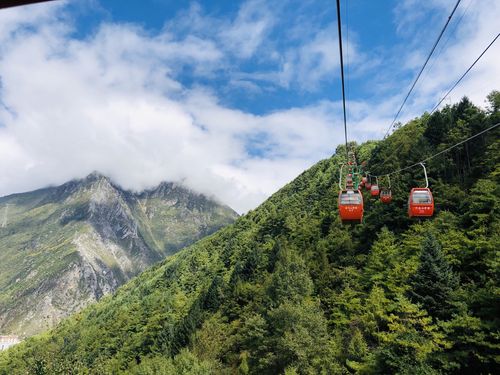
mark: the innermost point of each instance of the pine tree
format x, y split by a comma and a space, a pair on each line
409, 340
433, 284
386, 267
290, 280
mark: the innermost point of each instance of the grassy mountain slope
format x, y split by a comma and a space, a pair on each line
288, 289
175, 217
64, 247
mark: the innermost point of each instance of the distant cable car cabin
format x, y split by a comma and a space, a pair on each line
385, 192
350, 205
350, 201
386, 196
421, 201
368, 185
374, 189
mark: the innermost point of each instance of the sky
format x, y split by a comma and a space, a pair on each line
231, 98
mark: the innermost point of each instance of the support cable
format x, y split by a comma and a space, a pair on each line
448, 38
458, 81
348, 65
423, 67
463, 75
440, 152
339, 24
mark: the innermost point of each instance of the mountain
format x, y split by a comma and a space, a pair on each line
64, 247
288, 289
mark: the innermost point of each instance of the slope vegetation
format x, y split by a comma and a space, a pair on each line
288, 289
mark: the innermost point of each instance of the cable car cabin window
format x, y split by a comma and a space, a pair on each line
421, 197
350, 198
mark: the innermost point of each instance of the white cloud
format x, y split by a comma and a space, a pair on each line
240, 37
16, 19
308, 59
114, 102
410, 14
248, 30
319, 58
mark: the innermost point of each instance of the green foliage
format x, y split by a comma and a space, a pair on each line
434, 283
386, 265
299, 338
185, 363
494, 101
290, 280
287, 289
409, 340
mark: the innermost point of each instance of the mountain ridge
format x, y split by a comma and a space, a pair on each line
92, 236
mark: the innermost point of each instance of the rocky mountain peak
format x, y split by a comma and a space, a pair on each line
95, 175
64, 247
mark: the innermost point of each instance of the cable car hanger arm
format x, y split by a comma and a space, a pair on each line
425, 174
340, 177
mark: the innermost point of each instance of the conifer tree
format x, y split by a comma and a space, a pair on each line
433, 284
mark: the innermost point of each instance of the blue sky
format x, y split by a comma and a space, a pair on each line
232, 98
251, 82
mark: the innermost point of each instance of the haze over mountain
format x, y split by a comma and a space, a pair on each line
64, 247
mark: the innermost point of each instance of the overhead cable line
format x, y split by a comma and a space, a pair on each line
458, 81
423, 67
466, 72
450, 34
348, 65
339, 23
440, 152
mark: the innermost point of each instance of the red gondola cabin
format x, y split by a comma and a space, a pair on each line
368, 185
420, 203
374, 191
350, 205
386, 196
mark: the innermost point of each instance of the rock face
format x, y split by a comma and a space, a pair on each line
62, 248
8, 341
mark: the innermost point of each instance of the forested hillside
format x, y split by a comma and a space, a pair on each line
288, 289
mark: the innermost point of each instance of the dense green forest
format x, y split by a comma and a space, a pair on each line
289, 289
